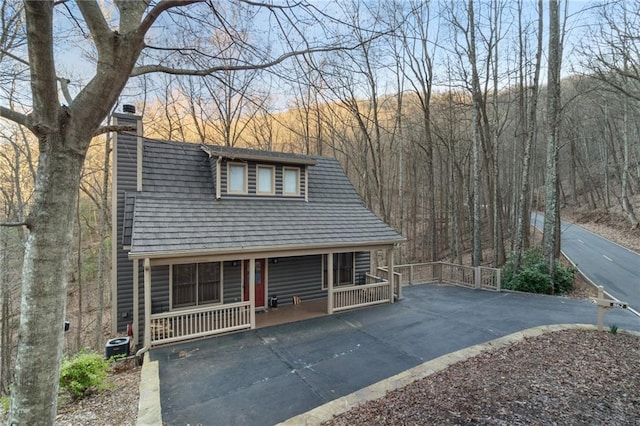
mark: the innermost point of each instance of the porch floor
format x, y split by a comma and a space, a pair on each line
291, 313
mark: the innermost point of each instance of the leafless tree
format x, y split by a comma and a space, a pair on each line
420, 44
612, 56
551, 236
353, 77
528, 112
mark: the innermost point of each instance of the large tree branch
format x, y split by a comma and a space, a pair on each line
158, 9
44, 91
16, 117
64, 87
4, 52
95, 21
147, 69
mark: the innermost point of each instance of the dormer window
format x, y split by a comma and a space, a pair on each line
291, 181
266, 183
237, 182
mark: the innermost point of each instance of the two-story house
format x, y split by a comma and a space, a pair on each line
203, 235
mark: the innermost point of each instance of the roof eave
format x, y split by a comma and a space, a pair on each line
259, 157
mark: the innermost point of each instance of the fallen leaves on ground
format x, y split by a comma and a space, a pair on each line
566, 377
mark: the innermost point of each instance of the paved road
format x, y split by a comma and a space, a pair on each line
603, 262
264, 376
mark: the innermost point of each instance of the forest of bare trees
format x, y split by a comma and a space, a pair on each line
454, 120
444, 125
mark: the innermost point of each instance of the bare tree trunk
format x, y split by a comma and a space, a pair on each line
6, 342
64, 134
401, 162
79, 277
102, 250
45, 284
498, 241
605, 149
476, 253
524, 205
551, 237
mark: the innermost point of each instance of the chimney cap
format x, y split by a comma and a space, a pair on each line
131, 109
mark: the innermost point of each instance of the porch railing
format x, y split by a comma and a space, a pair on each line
397, 279
441, 272
357, 296
174, 326
184, 324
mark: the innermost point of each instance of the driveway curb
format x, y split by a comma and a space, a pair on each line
377, 390
149, 409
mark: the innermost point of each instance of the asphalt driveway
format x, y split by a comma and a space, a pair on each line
265, 376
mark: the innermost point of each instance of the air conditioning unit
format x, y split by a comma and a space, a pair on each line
117, 347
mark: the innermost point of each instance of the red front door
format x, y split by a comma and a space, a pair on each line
259, 282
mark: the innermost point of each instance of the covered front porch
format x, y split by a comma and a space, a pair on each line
284, 314
173, 325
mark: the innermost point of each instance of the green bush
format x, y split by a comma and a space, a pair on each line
530, 258
84, 372
565, 277
533, 276
532, 280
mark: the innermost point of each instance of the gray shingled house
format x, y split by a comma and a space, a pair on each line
204, 235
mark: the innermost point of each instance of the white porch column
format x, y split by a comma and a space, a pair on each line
390, 266
252, 291
136, 302
147, 302
329, 283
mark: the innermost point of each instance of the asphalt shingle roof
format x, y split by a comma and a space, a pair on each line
178, 212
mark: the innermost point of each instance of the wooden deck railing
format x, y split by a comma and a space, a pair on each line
457, 274
442, 272
179, 325
490, 278
397, 279
357, 296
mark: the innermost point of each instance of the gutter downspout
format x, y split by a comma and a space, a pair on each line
136, 302
147, 308
218, 177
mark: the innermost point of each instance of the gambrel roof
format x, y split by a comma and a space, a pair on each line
177, 212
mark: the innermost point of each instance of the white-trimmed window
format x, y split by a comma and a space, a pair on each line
343, 269
290, 181
194, 284
266, 180
237, 178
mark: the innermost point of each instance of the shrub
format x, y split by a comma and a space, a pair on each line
532, 280
565, 277
530, 258
533, 276
84, 372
